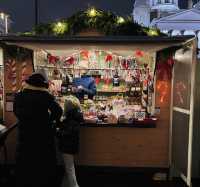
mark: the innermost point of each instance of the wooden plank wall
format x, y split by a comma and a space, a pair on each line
9, 117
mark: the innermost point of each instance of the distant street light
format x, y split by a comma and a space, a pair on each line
4, 17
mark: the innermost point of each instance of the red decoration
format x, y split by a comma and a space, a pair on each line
139, 53
52, 59
109, 58
180, 89
170, 61
69, 61
124, 64
85, 54
164, 71
162, 87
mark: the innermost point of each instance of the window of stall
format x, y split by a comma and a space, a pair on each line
124, 80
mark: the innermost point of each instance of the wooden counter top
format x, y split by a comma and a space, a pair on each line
146, 123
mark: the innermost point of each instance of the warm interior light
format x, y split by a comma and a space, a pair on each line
120, 20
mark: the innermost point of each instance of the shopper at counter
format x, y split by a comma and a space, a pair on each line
69, 137
36, 109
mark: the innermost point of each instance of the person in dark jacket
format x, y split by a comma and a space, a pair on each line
69, 138
36, 110
85, 85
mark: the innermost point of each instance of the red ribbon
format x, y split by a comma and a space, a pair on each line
109, 58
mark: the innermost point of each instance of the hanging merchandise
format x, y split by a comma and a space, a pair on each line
164, 71
170, 61
162, 88
84, 54
12, 74
109, 59
180, 89
116, 79
69, 61
52, 59
139, 53
124, 64
24, 73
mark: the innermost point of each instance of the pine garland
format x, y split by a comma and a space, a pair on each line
104, 22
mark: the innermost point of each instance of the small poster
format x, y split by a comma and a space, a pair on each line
9, 106
9, 102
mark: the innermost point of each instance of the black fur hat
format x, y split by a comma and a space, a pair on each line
38, 80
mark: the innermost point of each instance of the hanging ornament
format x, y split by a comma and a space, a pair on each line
170, 61
109, 58
164, 71
52, 59
180, 89
124, 64
139, 53
12, 74
84, 54
69, 60
162, 88
24, 74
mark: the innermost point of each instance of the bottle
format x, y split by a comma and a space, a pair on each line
116, 81
64, 85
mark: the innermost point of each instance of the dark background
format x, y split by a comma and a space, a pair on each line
22, 12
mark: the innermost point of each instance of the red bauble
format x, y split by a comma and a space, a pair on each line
139, 53
69, 61
109, 58
52, 59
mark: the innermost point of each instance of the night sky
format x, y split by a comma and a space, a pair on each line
22, 11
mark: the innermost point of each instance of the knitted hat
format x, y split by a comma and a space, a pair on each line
38, 80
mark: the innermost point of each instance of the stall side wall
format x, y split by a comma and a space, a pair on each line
1, 84
17, 67
196, 126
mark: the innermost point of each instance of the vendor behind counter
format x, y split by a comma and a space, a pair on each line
85, 85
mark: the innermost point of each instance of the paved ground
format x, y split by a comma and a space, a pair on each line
95, 178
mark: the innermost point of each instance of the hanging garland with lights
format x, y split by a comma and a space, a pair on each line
104, 22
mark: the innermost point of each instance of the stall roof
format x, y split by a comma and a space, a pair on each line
61, 43
95, 39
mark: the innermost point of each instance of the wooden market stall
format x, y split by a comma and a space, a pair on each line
144, 142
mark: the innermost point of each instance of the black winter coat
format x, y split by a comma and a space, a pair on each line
69, 132
36, 153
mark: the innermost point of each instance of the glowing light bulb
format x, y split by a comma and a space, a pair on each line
2, 15
120, 20
59, 24
60, 28
92, 12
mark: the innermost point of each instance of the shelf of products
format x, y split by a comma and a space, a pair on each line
124, 85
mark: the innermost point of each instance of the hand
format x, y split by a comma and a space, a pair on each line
80, 87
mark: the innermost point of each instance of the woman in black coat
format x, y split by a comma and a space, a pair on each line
36, 110
69, 138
